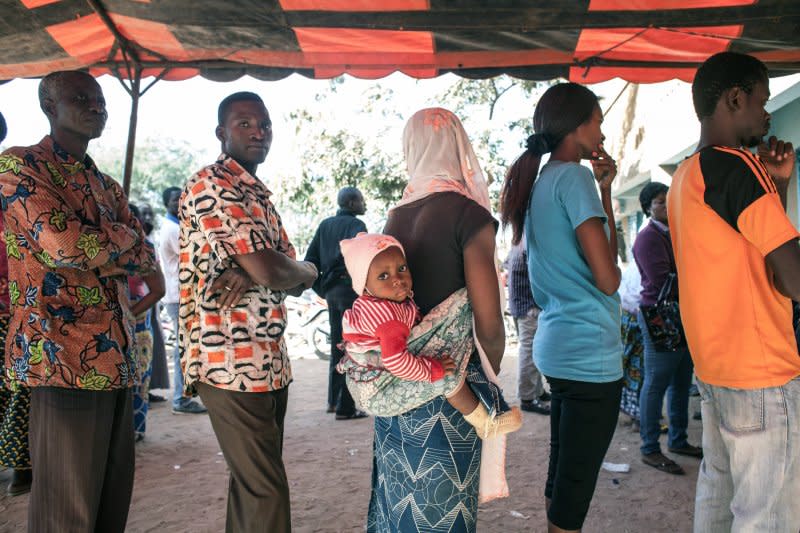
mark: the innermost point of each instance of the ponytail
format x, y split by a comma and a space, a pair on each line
561, 109
517, 186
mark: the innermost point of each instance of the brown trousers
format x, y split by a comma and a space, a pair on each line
249, 429
82, 454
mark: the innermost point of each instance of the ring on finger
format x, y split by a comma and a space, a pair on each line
228, 288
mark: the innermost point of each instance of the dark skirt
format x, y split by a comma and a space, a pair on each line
160, 376
425, 472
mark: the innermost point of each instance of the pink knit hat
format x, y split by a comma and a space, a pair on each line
359, 252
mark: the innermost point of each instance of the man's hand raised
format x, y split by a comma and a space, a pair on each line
779, 158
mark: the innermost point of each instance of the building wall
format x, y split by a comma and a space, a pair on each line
647, 125
786, 125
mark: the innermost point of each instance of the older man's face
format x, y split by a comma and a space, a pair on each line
79, 107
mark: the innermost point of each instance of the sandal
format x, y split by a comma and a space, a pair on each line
661, 462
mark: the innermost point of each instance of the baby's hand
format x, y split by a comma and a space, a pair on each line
448, 365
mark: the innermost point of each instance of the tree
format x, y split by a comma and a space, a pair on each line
496, 139
349, 138
157, 164
333, 157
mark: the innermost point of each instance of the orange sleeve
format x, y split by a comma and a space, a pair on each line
765, 224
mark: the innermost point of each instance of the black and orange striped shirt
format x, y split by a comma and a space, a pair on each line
725, 216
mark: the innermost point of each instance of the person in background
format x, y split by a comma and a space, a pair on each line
665, 371
571, 241
159, 375
146, 218
334, 284
530, 387
15, 401
738, 265
144, 293
71, 242
632, 348
169, 253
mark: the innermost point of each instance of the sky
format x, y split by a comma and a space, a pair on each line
188, 109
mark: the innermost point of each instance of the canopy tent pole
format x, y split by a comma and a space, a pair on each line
131, 144
130, 55
133, 65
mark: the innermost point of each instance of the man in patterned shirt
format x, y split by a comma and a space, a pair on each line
236, 267
71, 243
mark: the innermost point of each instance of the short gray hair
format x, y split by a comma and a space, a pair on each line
51, 84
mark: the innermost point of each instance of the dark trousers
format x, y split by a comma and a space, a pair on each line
583, 417
340, 298
249, 429
81, 443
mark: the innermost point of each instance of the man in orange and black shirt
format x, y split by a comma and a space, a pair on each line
738, 266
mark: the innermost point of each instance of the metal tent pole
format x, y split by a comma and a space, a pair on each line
133, 66
131, 144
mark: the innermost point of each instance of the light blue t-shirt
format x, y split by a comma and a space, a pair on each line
579, 326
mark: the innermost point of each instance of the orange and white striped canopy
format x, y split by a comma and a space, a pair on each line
583, 40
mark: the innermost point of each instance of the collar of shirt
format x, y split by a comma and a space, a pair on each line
405, 303
660, 225
70, 164
240, 172
65, 156
172, 218
345, 213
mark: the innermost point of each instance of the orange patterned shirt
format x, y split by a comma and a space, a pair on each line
226, 211
71, 242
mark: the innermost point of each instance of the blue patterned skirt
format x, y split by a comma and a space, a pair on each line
425, 472
632, 364
143, 347
15, 409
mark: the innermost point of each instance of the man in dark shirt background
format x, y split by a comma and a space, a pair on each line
335, 286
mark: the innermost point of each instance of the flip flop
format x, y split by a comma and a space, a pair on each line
661, 462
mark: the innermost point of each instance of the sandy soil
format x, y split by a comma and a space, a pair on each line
181, 477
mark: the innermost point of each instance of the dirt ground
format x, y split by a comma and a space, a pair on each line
181, 478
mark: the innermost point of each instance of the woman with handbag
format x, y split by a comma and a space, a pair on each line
667, 362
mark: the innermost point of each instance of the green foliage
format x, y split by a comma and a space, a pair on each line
476, 102
157, 164
466, 94
333, 156
340, 145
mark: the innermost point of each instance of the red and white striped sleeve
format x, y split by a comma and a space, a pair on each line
391, 323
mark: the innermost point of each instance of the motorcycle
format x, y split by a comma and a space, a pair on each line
308, 321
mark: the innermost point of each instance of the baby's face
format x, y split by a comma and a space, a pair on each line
388, 276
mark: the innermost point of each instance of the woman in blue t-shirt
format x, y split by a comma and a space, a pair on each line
572, 248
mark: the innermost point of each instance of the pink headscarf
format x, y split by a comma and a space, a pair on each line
439, 158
